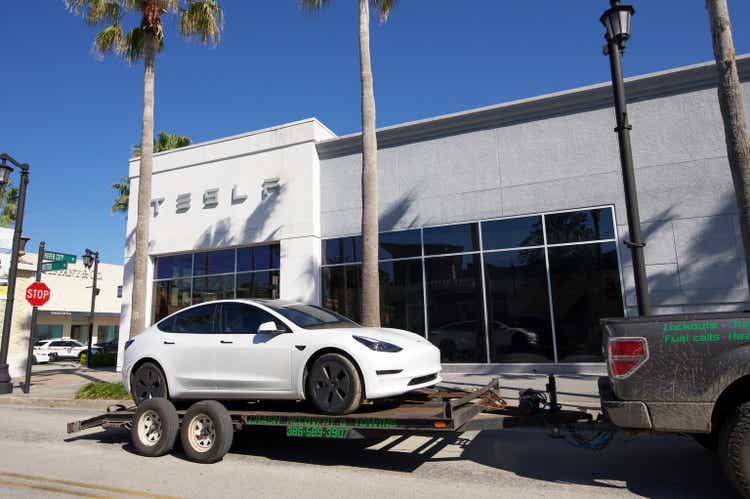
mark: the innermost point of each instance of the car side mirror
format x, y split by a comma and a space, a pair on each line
270, 327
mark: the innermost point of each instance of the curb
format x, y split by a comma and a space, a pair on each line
24, 401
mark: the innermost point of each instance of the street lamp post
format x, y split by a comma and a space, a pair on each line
616, 20
6, 386
91, 258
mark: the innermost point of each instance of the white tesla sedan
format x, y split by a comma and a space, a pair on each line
271, 349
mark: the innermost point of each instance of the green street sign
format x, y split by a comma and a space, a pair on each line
51, 256
50, 266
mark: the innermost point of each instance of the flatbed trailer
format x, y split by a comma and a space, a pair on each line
431, 412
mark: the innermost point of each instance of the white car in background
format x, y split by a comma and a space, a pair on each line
61, 348
271, 349
40, 357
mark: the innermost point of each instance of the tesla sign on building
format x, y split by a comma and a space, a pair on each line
502, 228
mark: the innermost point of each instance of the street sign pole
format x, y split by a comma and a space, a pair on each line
32, 333
94, 292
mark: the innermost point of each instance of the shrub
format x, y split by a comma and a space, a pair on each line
106, 359
107, 391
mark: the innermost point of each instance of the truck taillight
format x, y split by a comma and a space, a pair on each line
626, 355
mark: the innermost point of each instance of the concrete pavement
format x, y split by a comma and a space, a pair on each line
39, 459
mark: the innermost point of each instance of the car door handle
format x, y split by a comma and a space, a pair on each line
226, 342
169, 342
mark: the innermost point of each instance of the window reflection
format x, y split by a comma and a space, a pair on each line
518, 306
401, 244
401, 299
578, 226
168, 267
455, 308
512, 233
258, 285
213, 288
170, 296
585, 288
214, 262
451, 239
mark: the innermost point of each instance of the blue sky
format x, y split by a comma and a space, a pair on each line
74, 118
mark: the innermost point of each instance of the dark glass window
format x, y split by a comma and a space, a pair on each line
342, 250
258, 285
170, 296
512, 233
585, 288
197, 320
312, 317
455, 308
241, 318
401, 299
258, 258
168, 267
214, 262
451, 239
518, 307
578, 226
213, 288
342, 290
401, 244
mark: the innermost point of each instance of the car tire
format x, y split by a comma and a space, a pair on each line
207, 432
709, 441
734, 448
53, 357
334, 385
148, 382
154, 429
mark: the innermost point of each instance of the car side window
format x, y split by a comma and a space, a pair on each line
198, 320
167, 325
56, 344
243, 318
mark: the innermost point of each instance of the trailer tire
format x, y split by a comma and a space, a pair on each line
207, 432
154, 429
734, 448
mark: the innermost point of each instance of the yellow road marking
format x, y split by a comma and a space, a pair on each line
55, 490
84, 485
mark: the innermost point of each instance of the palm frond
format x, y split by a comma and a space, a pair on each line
123, 195
385, 7
313, 5
108, 40
203, 18
132, 46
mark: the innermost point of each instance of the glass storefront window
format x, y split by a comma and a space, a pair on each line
342, 250
401, 299
455, 308
170, 296
518, 307
107, 333
211, 288
579, 226
451, 239
401, 244
512, 233
214, 262
585, 288
258, 258
258, 285
172, 267
48, 331
342, 288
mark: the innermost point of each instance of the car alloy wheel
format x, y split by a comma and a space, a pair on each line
148, 383
332, 385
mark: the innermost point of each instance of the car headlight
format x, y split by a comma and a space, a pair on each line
377, 345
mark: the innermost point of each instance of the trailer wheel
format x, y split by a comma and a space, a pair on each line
334, 385
207, 432
154, 429
734, 448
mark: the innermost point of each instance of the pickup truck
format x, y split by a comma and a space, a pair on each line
687, 373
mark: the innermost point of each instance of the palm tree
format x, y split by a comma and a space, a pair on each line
123, 195
370, 277
203, 18
8, 200
733, 114
165, 142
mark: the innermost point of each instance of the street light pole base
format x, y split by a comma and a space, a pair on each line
6, 385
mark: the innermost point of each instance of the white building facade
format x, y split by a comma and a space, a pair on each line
502, 228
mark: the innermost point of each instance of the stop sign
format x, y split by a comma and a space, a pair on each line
37, 294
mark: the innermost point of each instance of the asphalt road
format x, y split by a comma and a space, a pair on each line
38, 459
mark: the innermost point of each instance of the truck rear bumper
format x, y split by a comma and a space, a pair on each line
623, 413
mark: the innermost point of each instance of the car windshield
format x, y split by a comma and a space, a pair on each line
313, 317
41, 343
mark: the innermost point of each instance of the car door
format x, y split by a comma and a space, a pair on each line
186, 352
59, 348
249, 363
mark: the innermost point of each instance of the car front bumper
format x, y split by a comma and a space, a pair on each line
403, 372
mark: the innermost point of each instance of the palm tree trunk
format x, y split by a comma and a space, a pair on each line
370, 278
138, 300
733, 114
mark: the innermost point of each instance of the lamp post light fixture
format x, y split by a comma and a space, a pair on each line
616, 20
6, 386
91, 259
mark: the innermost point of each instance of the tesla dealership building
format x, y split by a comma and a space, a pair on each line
502, 228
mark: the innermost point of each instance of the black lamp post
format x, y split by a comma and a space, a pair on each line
6, 386
91, 258
616, 20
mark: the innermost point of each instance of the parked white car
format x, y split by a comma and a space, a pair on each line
40, 357
61, 348
271, 349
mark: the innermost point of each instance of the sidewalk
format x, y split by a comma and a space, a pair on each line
55, 385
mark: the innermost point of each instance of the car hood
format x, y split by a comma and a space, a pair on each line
396, 336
